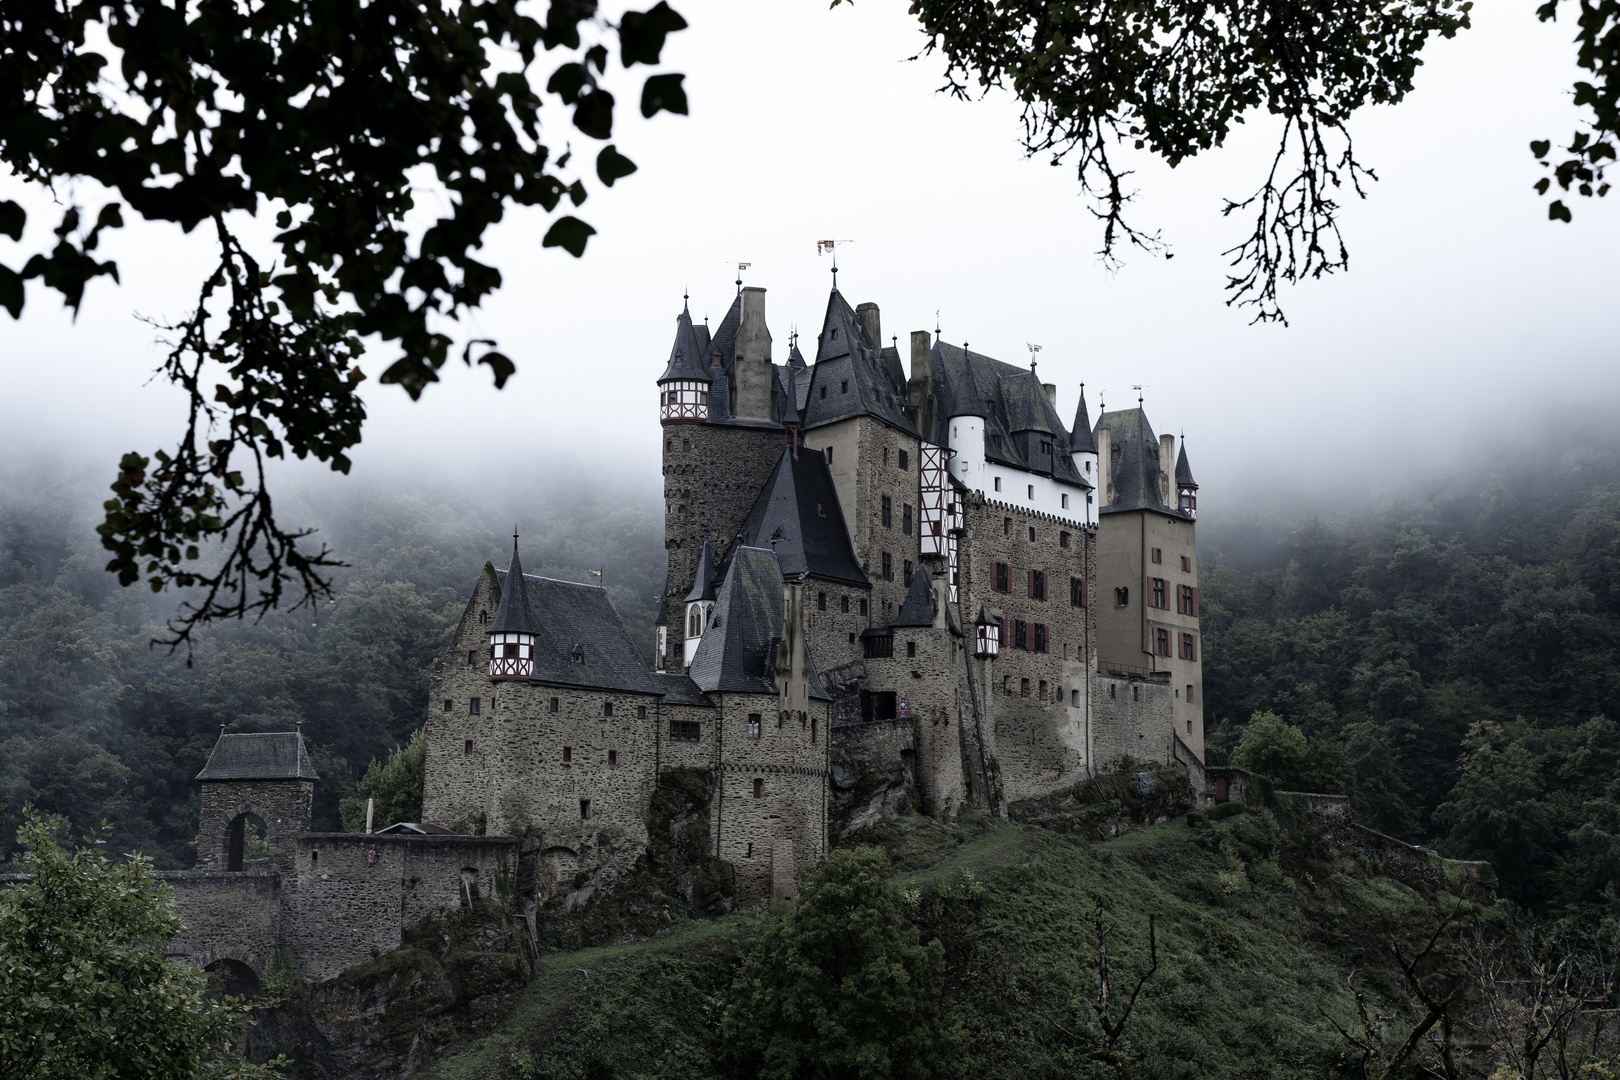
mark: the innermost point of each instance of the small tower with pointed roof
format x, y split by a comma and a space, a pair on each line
1186, 486
699, 601
512, 633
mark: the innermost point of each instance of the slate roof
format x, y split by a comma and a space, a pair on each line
1012, 402
579, 640
513, 616
679, 689
703, 578
876, 381
1135, 473
687, 359
797, 516
918, 609
663, 612
738, 649
1184, 476
276, 755
1081, 440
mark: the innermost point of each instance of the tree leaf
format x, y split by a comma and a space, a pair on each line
12, 219
594, 114
663, 92
1558, 212
567, 81
570, 234
1539, 147
641, 34
612, 165
11, 291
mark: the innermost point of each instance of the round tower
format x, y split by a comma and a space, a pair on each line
511, 634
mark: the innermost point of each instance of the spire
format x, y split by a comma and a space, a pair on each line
703, 580
512, 617
967, 401
1081, 440
685, 356
918, 609
1184, 476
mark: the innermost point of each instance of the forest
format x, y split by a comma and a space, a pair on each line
1446, 653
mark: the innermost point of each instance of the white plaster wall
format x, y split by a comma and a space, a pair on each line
968, 464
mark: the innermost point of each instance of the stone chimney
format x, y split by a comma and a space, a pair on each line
1105, 467
868, 314
1051, 392
1167, 467
751, 369
920, 387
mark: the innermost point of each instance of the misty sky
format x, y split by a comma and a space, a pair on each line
1464, 314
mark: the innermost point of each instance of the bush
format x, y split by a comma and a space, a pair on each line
1272, 747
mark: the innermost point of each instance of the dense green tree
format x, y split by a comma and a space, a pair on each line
836, 985
394, 786
1276, 749
86, 991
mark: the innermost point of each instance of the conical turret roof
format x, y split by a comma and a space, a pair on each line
966, 401
703, 579
685, 356
918, 609
1081, 440
1184, 476
513, 617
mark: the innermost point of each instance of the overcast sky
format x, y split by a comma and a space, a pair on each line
1465, 312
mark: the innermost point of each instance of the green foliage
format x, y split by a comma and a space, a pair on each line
836, 985
86, 991
1275, 749
280, 981
394, 786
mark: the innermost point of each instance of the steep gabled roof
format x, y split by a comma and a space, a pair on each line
1024, 399
276, 755
704, 577
1135, 473
1184, 476
580, 640
918, 609
513, 615
686, 356
859, 379
679, 689
738, 649
797, 515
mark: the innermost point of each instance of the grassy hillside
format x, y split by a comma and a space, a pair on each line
1257, 930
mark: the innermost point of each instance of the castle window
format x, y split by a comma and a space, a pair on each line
448, 704
1065, 502
1122, 597
584, 809
568, 753
1074, 698
905, 519
878, 645
1031, 492
1160, 599
1037, 584
997, 440
1189, 647
315, 856
812, 731
1006, 684
1115, 455
683, 730
1189, 701
824, 393
911, 648
1186, 564
888, 567
821, 601
821, 511
472, 706
1161, 641
905, 461
843, 604
613, 759
1021, 639
1189, 719
1063, 536
998, 483
887, 512
1077, 592
553, 705
1006, 526
843, 387
759, 788
1032, 534
641, 712
1040, 640
714, 361
885, 457
1003, 577
472, 657
1040, 694
1112, 690
1136, 693
1023, 688
607, 708
1158, 555
669, 445
863, 605
686, 446
466, 748
907, 575
753, 725
1187, 600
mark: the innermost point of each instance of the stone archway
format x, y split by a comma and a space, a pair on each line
232, 978
229, 836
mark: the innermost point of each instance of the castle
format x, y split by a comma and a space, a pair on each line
929, 561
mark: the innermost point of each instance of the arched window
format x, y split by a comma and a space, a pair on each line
694, 622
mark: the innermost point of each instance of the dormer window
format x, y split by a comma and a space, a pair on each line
843, 387
1189, 503
714, 361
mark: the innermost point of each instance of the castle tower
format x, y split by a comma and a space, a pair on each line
718, 406
699, 603
511, 634
1186, 486
1083, 452
263, 775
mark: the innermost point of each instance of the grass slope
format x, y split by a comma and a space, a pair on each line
1256, 934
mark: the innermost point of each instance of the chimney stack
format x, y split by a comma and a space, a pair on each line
1167, 467
1051, 392
751, 368
873, 325
920, 387
1105, 467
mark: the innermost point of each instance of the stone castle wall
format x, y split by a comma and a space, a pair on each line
938, 714
228, 916
284, 805
1132, 717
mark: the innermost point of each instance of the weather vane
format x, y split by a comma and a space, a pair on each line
740, 268
1033, 349
823, 247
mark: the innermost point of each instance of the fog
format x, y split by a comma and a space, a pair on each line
1467, 326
